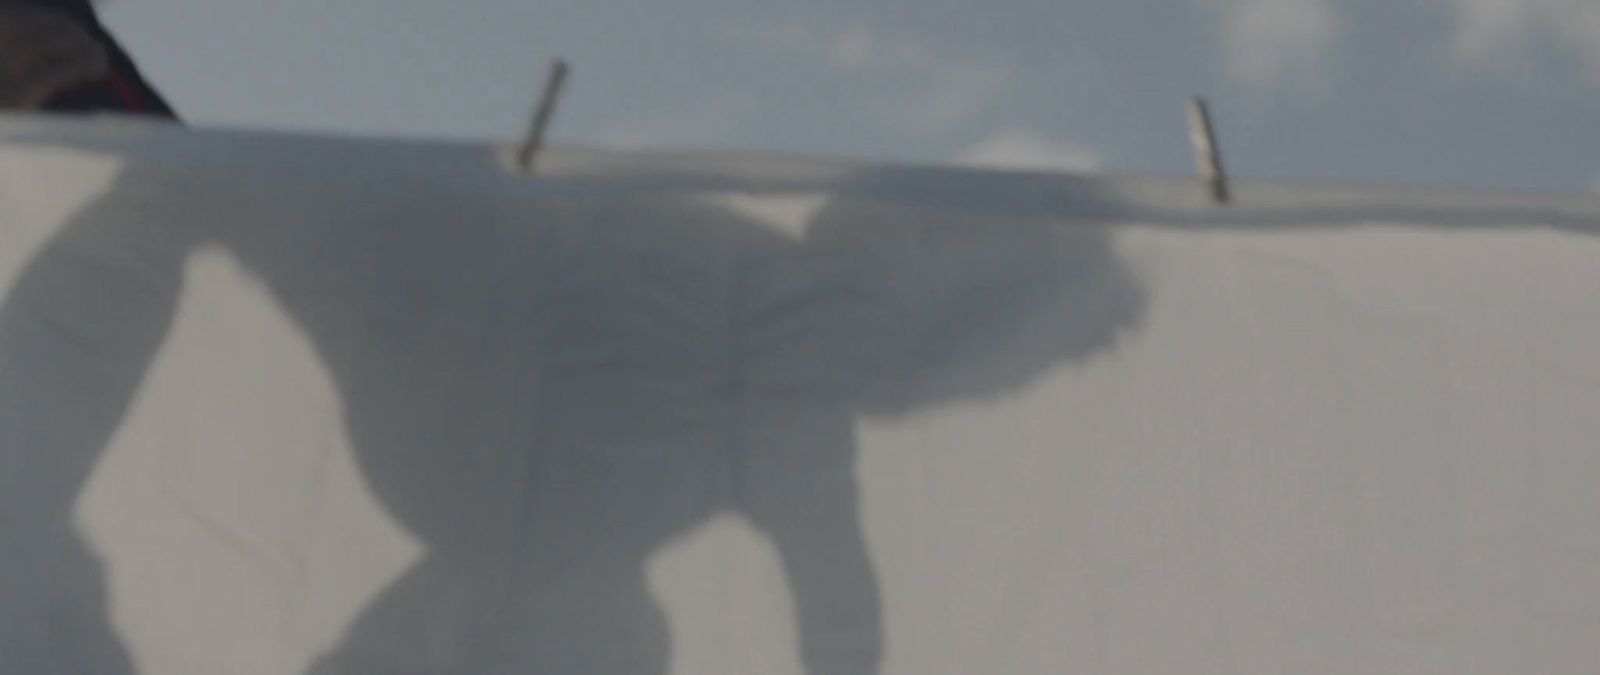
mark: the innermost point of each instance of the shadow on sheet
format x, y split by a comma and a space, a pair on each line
540, 389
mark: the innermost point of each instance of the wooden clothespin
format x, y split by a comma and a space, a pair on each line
1208, 154
528, 153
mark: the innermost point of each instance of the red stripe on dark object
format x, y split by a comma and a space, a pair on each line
127, 93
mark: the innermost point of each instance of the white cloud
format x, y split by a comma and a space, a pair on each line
956, 93
859, 48
947, 91
1025, 149
1487, 31
1270, 42
853, 48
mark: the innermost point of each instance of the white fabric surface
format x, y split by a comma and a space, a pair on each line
278, 405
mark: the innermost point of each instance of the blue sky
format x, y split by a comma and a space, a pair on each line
1475, 93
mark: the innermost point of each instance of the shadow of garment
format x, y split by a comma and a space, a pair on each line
76, 333
544, 390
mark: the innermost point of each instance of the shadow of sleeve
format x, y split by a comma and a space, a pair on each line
78, 329
982, 307
800, 488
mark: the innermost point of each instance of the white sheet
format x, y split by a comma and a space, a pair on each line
293, 405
